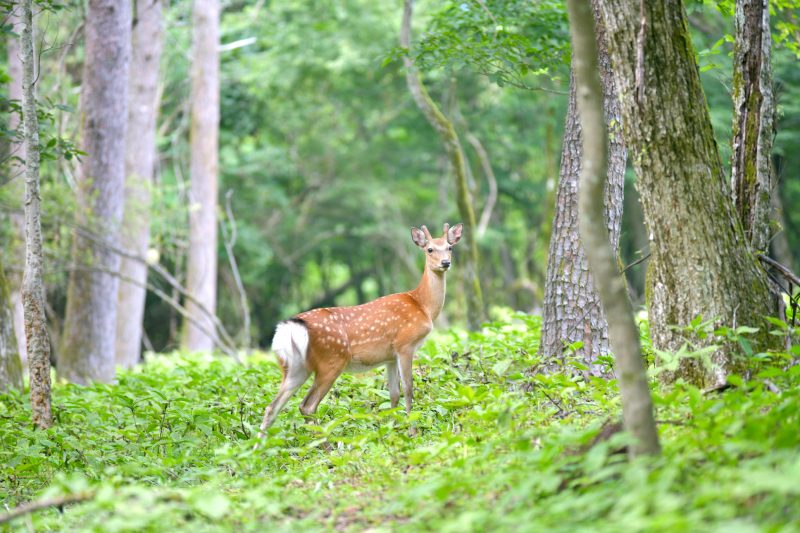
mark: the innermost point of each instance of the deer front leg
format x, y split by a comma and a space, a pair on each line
393, 380
406, 376
405, 359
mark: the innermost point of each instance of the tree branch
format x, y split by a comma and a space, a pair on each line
491, 200
31, 507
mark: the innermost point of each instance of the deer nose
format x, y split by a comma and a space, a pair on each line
445, 263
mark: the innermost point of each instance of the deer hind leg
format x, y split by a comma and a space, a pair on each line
393, 381
323, 381
311, 391
292, 380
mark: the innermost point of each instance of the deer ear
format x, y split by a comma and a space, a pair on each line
418, 236
454, 233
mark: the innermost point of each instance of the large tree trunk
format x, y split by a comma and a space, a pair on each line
701, 263
33, 292
444, 127
87, 353
572, 310
201, 276
17, 185
10, 363
637, 406
140, 157
753, 114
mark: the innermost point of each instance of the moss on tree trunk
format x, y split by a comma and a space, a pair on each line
701, 263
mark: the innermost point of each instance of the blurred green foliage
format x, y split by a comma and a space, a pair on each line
330, 163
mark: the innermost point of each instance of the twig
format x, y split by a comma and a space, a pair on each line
31, 507
557, 405
640, 260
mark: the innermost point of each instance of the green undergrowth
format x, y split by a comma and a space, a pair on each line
498, 447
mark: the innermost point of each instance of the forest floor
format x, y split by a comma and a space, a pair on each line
499, 448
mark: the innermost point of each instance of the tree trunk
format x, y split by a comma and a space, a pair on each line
753, 116
140, 157
38, 343
10, 363
700, 264
444, 127
201, 276
572, 310
87, 353
17, 185
637, 406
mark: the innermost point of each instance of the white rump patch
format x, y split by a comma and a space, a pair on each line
290, 343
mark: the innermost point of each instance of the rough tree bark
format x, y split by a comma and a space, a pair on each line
201, 275
10, 363
753, 117
17, 185
572, 311
444, 127
637, 406
87, 353
140, 154
36, 337
701, 263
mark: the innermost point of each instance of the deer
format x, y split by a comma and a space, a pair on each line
385, 332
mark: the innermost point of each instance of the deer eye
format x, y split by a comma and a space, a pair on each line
449, 248
430, 250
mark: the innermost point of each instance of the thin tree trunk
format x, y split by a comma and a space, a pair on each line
10, 363
445, 129
637, 406
701, 264
753, 117
17, 185
140, 157
201, 276
572, 310
38, 343
88, 347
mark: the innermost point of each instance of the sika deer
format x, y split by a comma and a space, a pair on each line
387, 331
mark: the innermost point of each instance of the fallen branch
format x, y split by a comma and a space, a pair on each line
32, 507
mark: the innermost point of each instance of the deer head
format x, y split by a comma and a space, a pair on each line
438, 252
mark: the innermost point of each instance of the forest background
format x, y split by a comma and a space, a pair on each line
325, 162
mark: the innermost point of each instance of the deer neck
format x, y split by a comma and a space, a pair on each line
430, 292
